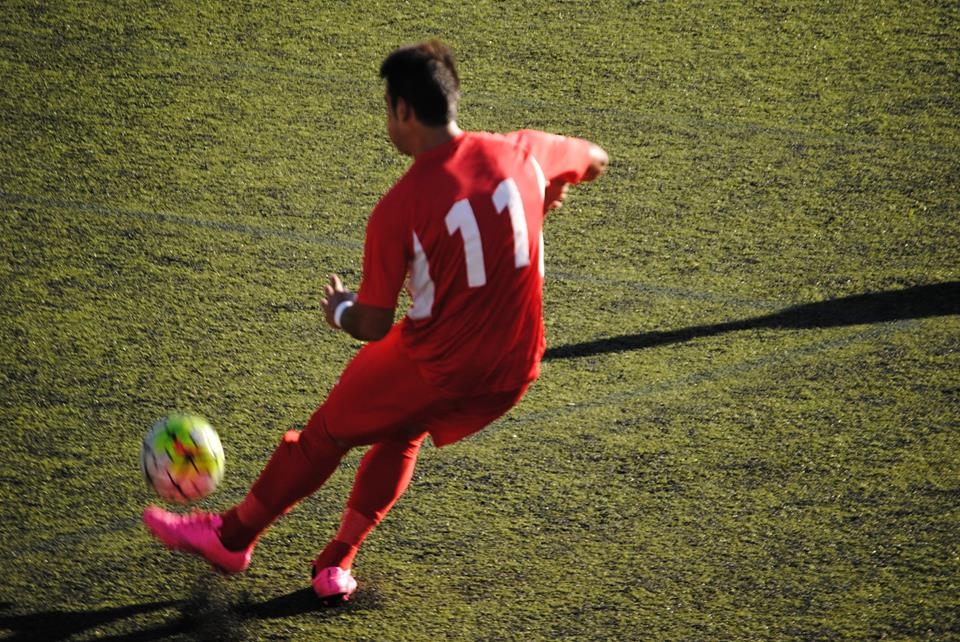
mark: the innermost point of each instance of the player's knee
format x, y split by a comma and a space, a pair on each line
316, 442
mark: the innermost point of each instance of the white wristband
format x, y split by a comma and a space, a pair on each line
338, 312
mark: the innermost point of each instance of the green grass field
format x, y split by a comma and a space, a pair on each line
748, 425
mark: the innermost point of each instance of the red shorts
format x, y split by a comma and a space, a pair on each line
381, 393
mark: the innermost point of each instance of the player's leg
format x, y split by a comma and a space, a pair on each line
385, 473
300, 465
382, 477
350, 416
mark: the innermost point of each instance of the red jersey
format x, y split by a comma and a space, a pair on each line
462, 228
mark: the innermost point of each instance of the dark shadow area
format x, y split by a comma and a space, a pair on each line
60, 625
918, 302
305, 601
294, 603
211, 613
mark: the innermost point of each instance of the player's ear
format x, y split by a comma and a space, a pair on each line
402, 110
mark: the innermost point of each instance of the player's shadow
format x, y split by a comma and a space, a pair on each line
62, 625
199, 616
305, 601
917, 302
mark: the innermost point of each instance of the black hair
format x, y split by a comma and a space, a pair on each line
425, 76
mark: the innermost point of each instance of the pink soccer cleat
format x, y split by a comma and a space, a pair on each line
333, 584
197, 533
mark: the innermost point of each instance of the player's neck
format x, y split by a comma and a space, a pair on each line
431, 137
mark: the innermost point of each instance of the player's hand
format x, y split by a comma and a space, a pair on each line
333, 295
554, 196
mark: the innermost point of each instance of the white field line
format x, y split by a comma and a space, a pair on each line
256, 231
775, 359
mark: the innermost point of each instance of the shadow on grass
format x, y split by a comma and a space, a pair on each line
211, 613
918, 302
61, 625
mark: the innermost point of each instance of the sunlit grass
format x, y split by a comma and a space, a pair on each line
177, 182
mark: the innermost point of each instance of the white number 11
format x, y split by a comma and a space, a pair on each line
461, 217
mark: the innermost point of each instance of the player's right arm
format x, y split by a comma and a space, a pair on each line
364, 322
369, 313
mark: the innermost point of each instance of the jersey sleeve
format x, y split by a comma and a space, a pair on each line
385, 255
563, 158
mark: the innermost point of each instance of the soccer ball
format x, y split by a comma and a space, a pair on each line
182, 458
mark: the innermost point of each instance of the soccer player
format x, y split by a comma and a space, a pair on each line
461, 230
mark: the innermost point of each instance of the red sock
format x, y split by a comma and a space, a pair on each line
336, 553
298, 467
234, 534
382, 477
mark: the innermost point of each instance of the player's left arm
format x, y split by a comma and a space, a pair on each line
564, 160
364, 322
598, 163
556, 191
